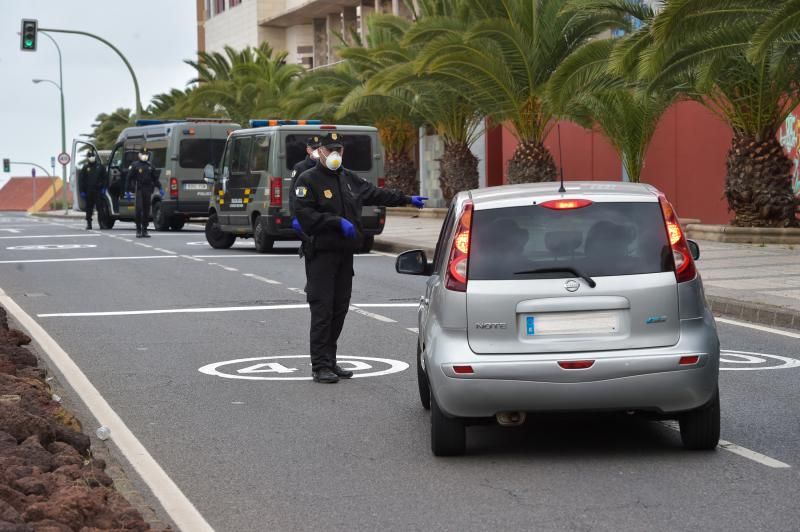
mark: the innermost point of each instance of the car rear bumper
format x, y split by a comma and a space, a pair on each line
640, 379
188, 209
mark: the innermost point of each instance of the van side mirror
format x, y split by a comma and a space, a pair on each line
208, 174
413, 263
694, 249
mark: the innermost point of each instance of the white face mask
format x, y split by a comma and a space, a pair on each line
143, 157
91, 160
315, 154
333, 161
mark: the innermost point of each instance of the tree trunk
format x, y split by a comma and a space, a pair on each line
458, 170
401, 173
532, 163
758, 186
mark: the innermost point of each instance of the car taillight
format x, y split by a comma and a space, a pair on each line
173, 188
563, 205
381, 182
275, 192
684, 264
456, 276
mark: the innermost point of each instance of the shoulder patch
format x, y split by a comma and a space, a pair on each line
301, 192
294, 173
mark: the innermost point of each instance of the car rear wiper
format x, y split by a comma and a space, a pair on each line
568, 269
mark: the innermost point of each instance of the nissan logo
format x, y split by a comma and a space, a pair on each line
572, 285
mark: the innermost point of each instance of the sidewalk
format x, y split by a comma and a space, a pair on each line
749, 282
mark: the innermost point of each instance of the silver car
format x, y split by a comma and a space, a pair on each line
546, 301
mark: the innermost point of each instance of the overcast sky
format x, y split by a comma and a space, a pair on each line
155, 35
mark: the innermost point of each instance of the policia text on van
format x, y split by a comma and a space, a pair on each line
179, 149
253, 182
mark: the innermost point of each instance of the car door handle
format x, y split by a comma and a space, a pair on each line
425, 301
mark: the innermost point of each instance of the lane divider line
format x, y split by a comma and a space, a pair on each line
758, 327
371, 315
259, 278
77, 235
738, 449
175, 503
86, 259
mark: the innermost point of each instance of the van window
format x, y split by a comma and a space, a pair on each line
603, 239
259, 158
240, 154
197, 153
158, 157
357, 151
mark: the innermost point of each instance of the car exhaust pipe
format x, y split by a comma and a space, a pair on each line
510, 419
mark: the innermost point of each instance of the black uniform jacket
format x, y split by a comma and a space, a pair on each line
306, 164
92, 178
323, 197
142, 176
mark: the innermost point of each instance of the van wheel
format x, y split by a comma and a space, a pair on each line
160, 221
700, 427
216, 237
104, 218
422, 382
448, 434
366, 246
264, 242
177, 223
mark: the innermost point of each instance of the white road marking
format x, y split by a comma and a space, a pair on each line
738, 449
77, 235
126, 239
199, 310
747, 361
176, 504
84, 259
371, 315
9, 230
49, 247
758, 327
192, 258
264, 256
259, 278
414, 330
228, 268
297, 291
165, 251
143, 245
388, 305
383, 254
395, 366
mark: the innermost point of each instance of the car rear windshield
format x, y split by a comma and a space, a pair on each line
197, 153
357, 154
603, 239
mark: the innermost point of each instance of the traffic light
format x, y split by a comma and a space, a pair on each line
28, 35
6, 165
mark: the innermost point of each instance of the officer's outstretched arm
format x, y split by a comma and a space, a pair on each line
386, 197
305, 208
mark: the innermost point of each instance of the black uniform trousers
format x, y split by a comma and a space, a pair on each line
329, 283
91, 201
142, 213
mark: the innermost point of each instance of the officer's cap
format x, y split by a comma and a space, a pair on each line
332, 140
313, 142
144, 150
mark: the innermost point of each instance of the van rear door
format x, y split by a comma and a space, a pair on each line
532, 269
198, 145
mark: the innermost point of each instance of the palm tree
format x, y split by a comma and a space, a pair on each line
707, 48
177, 104
449, 111
596, 87
244, 84
503, 55
107, 128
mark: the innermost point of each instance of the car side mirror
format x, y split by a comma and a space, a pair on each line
694, 249
413, 263
208, 174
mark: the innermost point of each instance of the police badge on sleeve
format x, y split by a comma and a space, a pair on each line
301, 192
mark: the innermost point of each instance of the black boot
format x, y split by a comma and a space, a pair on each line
138, 232
341, 372
325, 375
145, 234
88, 225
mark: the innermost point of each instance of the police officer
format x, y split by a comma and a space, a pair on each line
312, 156
92, 183
328, 201
144, 178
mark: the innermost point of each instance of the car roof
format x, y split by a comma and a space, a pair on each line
305, 128
530, 193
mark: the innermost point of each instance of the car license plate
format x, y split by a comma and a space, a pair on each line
572, 324
195, 186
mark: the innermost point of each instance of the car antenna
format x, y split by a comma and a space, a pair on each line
561, 189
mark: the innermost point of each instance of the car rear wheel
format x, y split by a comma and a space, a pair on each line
264, 242
104, 218
700, 427
160, 221
422, 382
177, 223
216, 237
448, 434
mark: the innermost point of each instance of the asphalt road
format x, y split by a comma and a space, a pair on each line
255, 454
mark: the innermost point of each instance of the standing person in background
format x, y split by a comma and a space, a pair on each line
92, 183
145, 179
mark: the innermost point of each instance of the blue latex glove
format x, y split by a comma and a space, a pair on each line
418, 201
103, 190
296, 226
83, 194
128, 196
161, 191
348, 229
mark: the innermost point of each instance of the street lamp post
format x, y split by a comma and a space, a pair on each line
60, 86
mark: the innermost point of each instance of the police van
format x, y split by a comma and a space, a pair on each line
252, 185
180, 149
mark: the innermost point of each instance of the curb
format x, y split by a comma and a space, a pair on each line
770, 315
387, 246
58, 216
744, 235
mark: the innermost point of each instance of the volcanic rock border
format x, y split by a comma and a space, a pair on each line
49, 479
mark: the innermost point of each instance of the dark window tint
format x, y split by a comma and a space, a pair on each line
158, 157
603, 239
357, 151
197, 153
240, 154
259, 157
